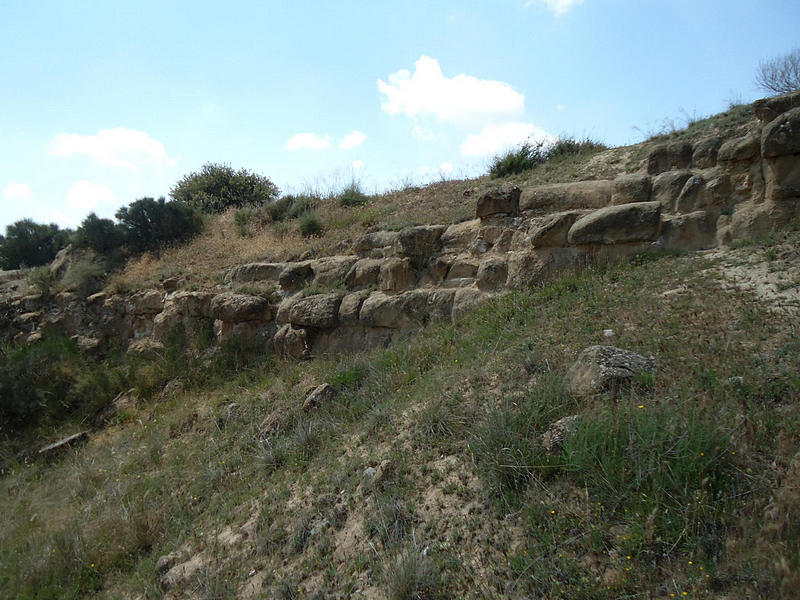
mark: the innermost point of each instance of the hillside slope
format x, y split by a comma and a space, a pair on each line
458, 461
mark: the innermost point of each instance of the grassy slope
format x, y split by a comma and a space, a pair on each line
684, 484
681, 485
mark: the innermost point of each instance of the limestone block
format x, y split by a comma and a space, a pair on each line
498, 202
460, 236
667, 187
704, 155
738, 149
255, 272
567, 196
552, 230
631, 188
332, 269
605, 368
617, 224
295, 275
236, 308
768, 109
397, 274
493, 272
363, 273
418, 241
320, 311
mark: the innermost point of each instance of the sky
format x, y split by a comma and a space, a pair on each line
105, 102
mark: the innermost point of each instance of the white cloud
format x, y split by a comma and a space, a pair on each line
497, 138
17, 192
352, 140
557, 7
358, 165
462, 99
117, 147
88, 196
446, 168
308, 141
423, 133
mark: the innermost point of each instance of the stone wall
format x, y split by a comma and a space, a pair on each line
687, 196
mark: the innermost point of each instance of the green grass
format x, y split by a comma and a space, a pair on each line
459, 411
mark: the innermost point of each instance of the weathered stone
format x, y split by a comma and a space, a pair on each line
439, 305
148, 302
552, 229
492, 273
418, 241
605, 368
375, 240
400, 311
163, 325
235, 308
498, 202
282, 314
12, 275
351, 306
87, 343
332, 269
320, 311
567, 196
396, 274
322, 394
293, 342
768, 109
435, 270
631, 188
692, 231
146, 348
463, 267
689, 198
617, 224
253, 336
465, 300
667, 187
529, 268
97, 300
171, 284
781, 137
460, 236
705, 152
63, 444
668, 157
190, 304
738, 149
363, 273
295, 276
783, 178
255, 272
555, 435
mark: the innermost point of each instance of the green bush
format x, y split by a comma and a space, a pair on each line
352, 195
524, 158
310, 225
101, 235
530, 154
150, 224
43, 280
29, 244
216, 188
84, 277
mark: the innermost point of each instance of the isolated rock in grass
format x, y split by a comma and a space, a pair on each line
557, 432
605, 368
498, 202
322, 394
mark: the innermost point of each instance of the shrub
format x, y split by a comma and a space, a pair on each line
352, 195
101, 235
43, 280
780, 75
247, 220
310, 225
29, 244
83, 276
412, 577
564, 147
216, 188
524, 158
149, 224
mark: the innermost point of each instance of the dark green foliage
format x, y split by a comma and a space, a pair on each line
29, 244
291, 207
218, 187
530, 154
101, 235
524, 158
149, 224
352, 195
310, 225
50, 379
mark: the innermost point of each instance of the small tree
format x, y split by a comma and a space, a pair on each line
101, 235
150, 224
216, 188
29, 244
780, 75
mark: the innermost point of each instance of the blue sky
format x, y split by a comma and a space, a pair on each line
105, 102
